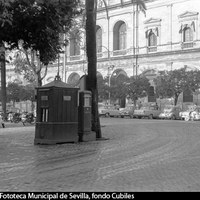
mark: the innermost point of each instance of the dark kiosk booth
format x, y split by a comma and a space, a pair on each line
57, 113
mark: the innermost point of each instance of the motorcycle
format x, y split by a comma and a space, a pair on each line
16, 118
27, 118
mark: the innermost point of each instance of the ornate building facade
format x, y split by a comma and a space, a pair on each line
130, 42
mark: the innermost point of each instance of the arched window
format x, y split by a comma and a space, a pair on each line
74, 45
119, 37
152, 39
122, 36
187, 35
74, 79
99, 40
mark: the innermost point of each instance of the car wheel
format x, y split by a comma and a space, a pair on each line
173, 117
187, 118
107, 115
151, 116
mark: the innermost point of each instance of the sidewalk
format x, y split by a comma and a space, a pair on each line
13, 125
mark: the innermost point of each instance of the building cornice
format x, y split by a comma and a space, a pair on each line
150, 55
116, 6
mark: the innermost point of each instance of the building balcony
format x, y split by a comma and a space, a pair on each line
75, 58
121, 52
186, 45
167, 47
152, 49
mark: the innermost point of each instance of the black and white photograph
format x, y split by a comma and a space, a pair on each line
99, 99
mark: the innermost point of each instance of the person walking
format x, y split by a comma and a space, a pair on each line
23, 118
1, 121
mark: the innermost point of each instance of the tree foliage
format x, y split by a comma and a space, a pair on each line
34, 26
39, 23
103, 88
137, 87
22, 67
173, 83
16, 92
118, 87
124, 87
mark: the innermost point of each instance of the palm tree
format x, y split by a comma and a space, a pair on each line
91, 12
91, 7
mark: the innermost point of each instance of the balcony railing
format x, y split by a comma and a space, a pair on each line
75, 58
178, 46
119, 52
152, 49
186, 45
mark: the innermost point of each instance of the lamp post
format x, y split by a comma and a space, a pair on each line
110, 68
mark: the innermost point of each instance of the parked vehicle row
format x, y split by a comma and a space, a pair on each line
170, 112
127, 111
193, 113
115, 111
109, 111
151, 112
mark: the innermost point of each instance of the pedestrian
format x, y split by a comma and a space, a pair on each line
139, 105
156, 106
10, 117
1, 121
23, 118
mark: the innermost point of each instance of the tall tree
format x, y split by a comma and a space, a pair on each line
38, 24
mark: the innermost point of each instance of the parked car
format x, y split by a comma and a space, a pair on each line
195, 114
170, 112
109, 111
151, 112
185, 115
127, 111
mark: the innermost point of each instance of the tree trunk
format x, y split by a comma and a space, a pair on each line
176, 99
3, 77
92, 63
39, 79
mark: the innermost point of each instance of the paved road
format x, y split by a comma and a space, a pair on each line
140, 155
